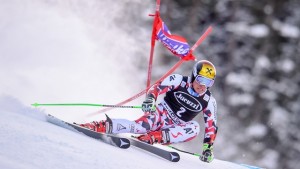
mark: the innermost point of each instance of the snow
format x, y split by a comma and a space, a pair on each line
270, 158
28, 141
259, 30
242, 80
70, 51
262, 30
244, 99
286, 65
262, 62
242, 28
268, 94
49, 53
257, 131
278, 117
286, 30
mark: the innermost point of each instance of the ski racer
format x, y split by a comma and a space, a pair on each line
171, 120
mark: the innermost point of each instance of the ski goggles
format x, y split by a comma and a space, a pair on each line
204, 81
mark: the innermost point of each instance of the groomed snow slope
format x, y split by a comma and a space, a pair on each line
28, 141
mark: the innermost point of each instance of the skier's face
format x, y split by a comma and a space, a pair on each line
199, 88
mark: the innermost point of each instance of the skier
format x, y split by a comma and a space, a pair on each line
170, 120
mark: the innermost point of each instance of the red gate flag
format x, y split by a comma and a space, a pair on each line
176, 44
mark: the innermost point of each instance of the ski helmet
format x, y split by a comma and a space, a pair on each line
204, 72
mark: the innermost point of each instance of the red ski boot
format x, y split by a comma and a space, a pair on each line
96, 126
103, 126
153, 137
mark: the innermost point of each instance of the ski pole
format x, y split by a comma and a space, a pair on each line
83, 104
195, 154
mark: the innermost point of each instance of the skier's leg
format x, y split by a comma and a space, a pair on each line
144, 124
182, 132
172, 134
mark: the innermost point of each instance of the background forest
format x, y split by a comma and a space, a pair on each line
255, 48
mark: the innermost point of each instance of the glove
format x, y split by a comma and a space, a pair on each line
149, 105
207, 154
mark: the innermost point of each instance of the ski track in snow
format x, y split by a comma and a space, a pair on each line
28, 141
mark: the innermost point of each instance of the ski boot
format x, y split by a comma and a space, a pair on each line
95, 126
154, 137
103, 126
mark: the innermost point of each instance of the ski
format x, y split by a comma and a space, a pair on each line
117, 141
120, 142
168, 155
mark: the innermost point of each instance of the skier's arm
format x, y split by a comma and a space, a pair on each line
169, 83
210, 119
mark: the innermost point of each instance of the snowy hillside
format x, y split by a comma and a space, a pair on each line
28, 141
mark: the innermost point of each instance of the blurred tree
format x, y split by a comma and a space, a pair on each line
255, 46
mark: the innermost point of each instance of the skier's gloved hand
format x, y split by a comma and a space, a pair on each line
207, 154
149, 105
